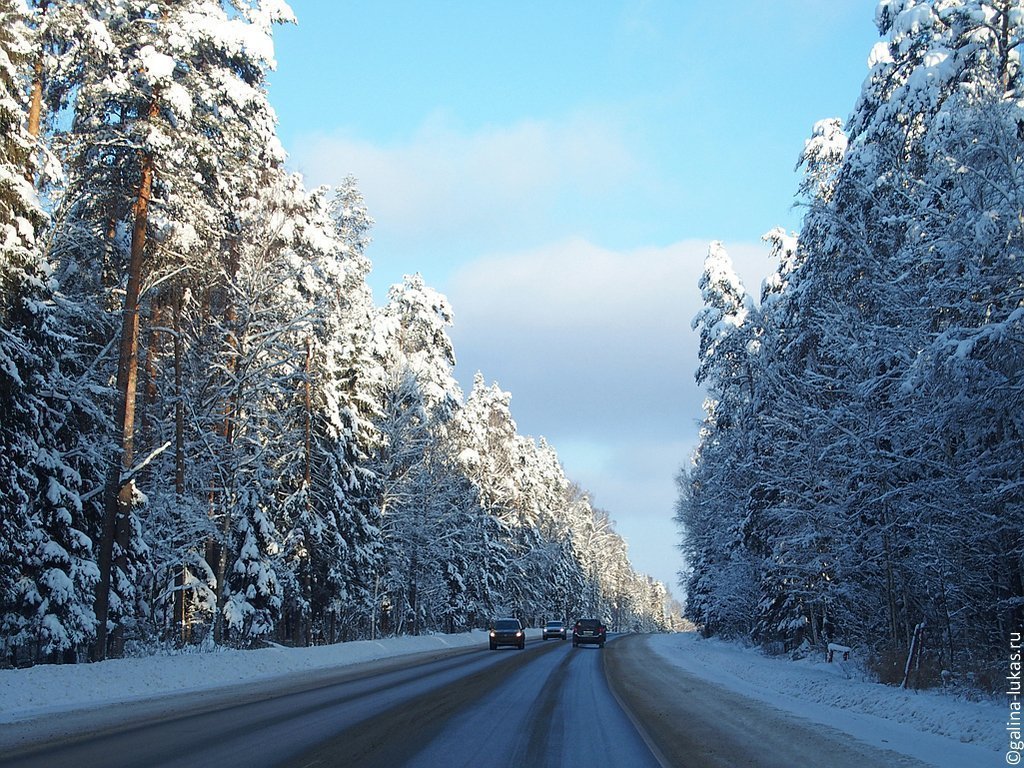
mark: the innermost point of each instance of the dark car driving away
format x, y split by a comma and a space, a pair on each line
589, 631
508, 632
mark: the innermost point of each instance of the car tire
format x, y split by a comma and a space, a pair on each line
494, 647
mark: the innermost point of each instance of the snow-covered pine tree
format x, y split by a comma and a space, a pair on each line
46, 566
904, 255
328, 491
719, 520
889, 339
170, 127
353, 380
420, 396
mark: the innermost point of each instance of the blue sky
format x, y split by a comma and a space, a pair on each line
557, 169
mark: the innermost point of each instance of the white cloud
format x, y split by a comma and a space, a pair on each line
589, 336
447, 182
596, 348
585, 338
578, 284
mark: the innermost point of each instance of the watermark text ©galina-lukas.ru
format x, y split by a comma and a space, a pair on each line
1016, 699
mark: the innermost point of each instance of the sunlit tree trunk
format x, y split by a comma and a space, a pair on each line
180, 601
118, 494
35, 110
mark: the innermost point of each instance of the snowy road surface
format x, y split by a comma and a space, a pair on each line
547, 705
695, 703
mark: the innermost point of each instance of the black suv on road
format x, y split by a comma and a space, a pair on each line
508, 632
590, 631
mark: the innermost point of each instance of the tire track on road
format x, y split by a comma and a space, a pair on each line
543, 718
392, 737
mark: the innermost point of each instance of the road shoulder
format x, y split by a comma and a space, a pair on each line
58, 725
696, 723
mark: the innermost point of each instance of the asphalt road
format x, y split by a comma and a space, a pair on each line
548, 705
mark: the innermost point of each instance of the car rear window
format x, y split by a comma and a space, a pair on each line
589, 623
506, 624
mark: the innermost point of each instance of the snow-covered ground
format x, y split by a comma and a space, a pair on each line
50, 689
932, 727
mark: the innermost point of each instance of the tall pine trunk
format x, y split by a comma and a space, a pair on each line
306, 617
35, 111
180, 579
118, 494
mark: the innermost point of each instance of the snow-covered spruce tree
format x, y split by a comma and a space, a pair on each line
418, 399
255, 413
403, 465
329, 495
46, 566
883, 444
352, 382
426, 555
170, 125
918, 250
454, 603
721, 540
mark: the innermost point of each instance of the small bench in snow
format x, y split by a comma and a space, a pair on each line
834, 648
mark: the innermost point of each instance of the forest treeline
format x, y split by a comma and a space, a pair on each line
210, 433
859, 473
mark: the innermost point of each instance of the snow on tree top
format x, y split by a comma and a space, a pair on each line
158, 66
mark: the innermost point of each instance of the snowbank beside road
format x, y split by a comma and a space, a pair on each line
48, 689
933, 727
